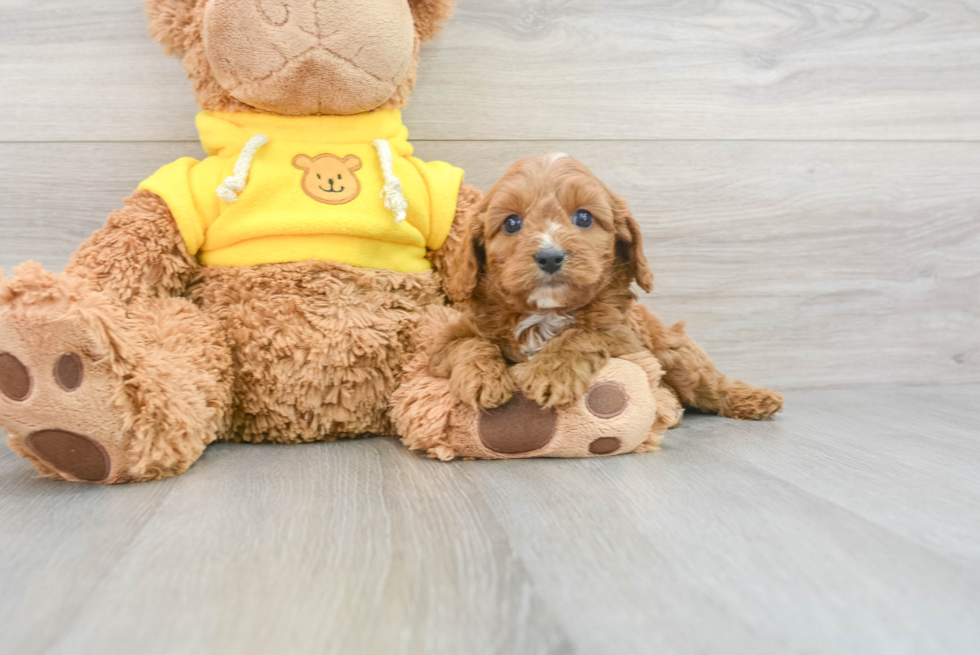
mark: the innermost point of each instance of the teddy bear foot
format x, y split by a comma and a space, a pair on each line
622, 412
522, 427
613, 417
92, 391
56, 401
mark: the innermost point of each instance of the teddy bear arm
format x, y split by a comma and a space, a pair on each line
138, 253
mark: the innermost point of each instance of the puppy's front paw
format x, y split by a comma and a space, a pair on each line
551, 380
485, 384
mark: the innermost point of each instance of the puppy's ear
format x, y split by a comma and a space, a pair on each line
465, 265
430, 15
174, 24
629, 245
302, 162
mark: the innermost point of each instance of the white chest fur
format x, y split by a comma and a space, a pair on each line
537, 329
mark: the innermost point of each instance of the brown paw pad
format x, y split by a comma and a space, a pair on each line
518, 426
605, 446
607, 400
68, 372
71, 453
15, 379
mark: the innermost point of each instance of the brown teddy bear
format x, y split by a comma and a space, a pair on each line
265, 293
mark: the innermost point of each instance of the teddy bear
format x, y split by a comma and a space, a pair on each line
266, 293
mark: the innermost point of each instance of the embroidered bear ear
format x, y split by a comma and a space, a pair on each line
352, 162
302, 162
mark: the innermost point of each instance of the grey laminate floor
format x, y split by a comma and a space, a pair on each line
850, 524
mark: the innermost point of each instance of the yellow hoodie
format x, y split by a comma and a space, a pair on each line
280, 189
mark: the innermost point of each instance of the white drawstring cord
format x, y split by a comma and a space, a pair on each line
392, 192
235, 184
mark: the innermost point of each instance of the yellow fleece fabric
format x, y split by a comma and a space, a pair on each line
277, 220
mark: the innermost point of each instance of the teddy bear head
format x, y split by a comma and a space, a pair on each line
298, 57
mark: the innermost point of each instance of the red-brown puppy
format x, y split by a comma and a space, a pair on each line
544, 283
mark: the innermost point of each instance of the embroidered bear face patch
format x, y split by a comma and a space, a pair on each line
330, 179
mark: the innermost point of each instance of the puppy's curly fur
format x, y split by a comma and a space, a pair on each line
546, 286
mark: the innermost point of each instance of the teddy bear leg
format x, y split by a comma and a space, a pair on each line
92, 390
620, 413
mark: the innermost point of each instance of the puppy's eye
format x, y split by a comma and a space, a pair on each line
318, 176
583, 218
513, 224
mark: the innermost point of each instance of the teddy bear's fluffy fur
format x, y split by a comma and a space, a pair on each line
176, 355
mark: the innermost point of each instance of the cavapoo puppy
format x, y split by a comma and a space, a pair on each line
544, 286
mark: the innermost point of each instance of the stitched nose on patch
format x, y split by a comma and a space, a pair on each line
15, 379
71, 453
518, 426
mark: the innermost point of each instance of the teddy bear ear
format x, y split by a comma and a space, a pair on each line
302, 162
430, 15
172, 23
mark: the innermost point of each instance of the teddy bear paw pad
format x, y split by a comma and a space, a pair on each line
15, 379
68, 372
607, 399
72, 453
518, 426
605, 445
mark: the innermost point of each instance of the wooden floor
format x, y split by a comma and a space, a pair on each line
851, 524
807, 176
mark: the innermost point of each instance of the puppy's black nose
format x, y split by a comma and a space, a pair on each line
550, 261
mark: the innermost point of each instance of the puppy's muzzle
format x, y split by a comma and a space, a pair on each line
550, 261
